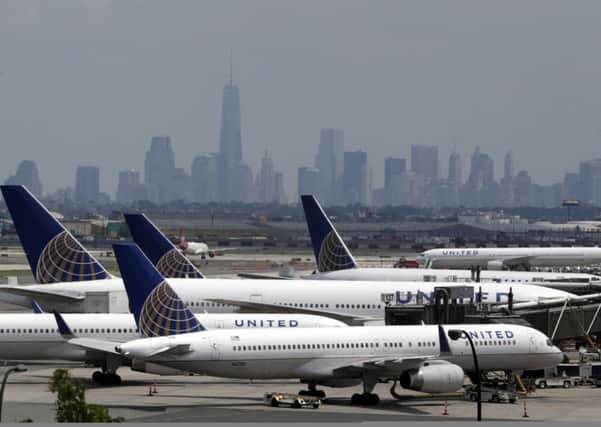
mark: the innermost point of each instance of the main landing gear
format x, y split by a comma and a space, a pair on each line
108, 374
312, 391
106, 378
367, 398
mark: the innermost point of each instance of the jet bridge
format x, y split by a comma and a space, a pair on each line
455, 306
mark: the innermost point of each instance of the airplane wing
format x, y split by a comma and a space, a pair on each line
253, 307
57, 296
12, 253
383, 366
262, 276
519, 261
552, 302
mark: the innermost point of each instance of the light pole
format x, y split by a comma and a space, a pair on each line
455, 334
16, 368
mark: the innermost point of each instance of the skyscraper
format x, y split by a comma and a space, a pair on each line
424, 161
130, 188
507, 182
205, 178
330, 162
455, 171
395, 171
87, 184
355, 177
308, 181
27, 175
159, 169
230, 140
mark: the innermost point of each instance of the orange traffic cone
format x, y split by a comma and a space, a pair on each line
446, 408
525, 411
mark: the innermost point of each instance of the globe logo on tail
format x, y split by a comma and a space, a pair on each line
333, 254
174, 264
163, 314
65, 260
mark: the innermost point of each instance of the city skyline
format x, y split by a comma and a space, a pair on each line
390, 85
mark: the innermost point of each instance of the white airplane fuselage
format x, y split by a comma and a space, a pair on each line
28, 336
500, 257
358, 298
551, 279
320, 354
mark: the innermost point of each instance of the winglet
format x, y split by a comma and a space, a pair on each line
63, 328
331, 254
444, 341
54, 255
168, 259
36, 307
157, 309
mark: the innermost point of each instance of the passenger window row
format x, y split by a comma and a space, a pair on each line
75, 330
492, 342
365, 345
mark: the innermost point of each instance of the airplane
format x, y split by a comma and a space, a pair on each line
34, 336
335, 262
348, 301
509, 258
194, 248
421, 356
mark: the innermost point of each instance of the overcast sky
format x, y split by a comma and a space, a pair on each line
90, 82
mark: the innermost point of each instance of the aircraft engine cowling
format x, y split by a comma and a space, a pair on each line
495, 265
437, 378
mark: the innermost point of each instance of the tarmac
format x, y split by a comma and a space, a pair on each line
202, 399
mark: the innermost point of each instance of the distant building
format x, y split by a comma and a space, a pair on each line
355, 178
159, 169
28, 175
590, 181
523, 189
87, 184
424, 161
394, 169
308, 181
130, 188
507, 182
480, 190
230, 144
330, 163
266, 192
205, 178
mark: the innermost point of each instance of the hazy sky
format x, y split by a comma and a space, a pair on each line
90, 82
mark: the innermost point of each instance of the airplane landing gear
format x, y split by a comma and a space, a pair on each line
312, 391
106, 378
367, 398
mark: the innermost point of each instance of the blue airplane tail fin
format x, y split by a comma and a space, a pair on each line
54, 255
168, 259
158, 310
331, 254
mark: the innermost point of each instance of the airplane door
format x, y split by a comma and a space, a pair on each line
256, 298
219, 324
533, 343
214, 348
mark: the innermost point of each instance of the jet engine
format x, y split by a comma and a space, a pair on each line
433, 378
495, 265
